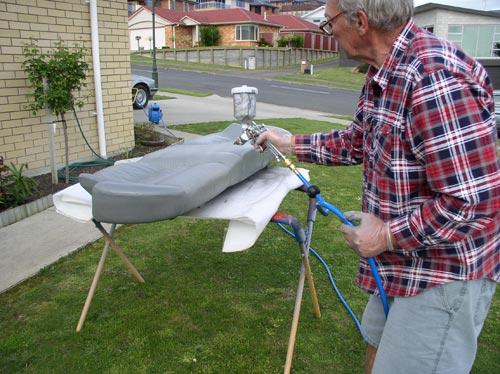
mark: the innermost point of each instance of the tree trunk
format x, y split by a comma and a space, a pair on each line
66, 147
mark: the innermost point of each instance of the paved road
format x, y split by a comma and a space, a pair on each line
324, 99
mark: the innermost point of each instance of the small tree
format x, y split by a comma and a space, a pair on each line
209, 36
284, 41
55, 78
297, 41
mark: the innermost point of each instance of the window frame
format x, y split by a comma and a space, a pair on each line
237, 32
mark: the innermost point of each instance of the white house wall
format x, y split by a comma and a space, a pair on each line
428, 19
141, 25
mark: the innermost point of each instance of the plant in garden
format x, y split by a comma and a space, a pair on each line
56, 78
15, 188
145, 133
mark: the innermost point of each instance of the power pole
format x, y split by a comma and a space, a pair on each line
155, 69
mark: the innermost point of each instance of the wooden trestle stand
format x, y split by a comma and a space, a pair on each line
305, 272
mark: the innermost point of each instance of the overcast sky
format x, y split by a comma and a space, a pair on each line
473, 4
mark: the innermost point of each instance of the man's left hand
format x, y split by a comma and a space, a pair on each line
369, 238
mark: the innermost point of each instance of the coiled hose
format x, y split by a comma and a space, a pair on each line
61, 173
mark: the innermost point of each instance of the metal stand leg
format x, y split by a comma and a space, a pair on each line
100, 266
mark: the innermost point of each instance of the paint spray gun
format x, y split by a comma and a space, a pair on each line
244, 109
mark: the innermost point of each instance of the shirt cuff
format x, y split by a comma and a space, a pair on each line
404, 232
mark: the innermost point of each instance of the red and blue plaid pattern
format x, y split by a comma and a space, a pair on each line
425, 132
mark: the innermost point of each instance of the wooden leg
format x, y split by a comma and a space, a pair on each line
295, 322
93, 286
307, 267
371, 353
305, 272
117, 249
100, 266
90, 295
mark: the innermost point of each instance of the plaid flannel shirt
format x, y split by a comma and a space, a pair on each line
425, 132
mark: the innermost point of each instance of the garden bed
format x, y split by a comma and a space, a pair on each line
42, 199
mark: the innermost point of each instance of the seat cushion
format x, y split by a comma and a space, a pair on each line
172, 181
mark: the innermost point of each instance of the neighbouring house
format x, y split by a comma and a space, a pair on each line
263, 7
315, 16
296, 7
314, 38
222, 4
179, 5
107, 123
238, 27
476, 31
188, 5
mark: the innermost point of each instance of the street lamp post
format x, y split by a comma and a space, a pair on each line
155, 69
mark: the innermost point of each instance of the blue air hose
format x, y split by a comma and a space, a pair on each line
371, 261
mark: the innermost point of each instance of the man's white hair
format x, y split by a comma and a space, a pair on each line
382, 14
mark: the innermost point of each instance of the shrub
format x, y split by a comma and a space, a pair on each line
284, 41
209, 36
263, 43
297, 41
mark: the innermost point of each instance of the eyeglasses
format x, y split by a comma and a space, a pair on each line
327, 25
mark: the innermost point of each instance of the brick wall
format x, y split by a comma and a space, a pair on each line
24, 136
227, 35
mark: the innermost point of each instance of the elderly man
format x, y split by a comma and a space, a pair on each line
425, 132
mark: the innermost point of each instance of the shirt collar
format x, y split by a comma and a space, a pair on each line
381, 76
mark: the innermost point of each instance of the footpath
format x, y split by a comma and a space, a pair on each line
30, 245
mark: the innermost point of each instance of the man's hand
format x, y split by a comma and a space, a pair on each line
281, 141
369, 238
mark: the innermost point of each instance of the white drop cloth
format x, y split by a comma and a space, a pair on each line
249, 205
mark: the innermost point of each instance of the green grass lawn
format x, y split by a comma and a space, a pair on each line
201, 310
336, 77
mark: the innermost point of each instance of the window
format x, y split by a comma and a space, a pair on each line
247, 32
477, 40
455, 34
429, 28
207, 4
